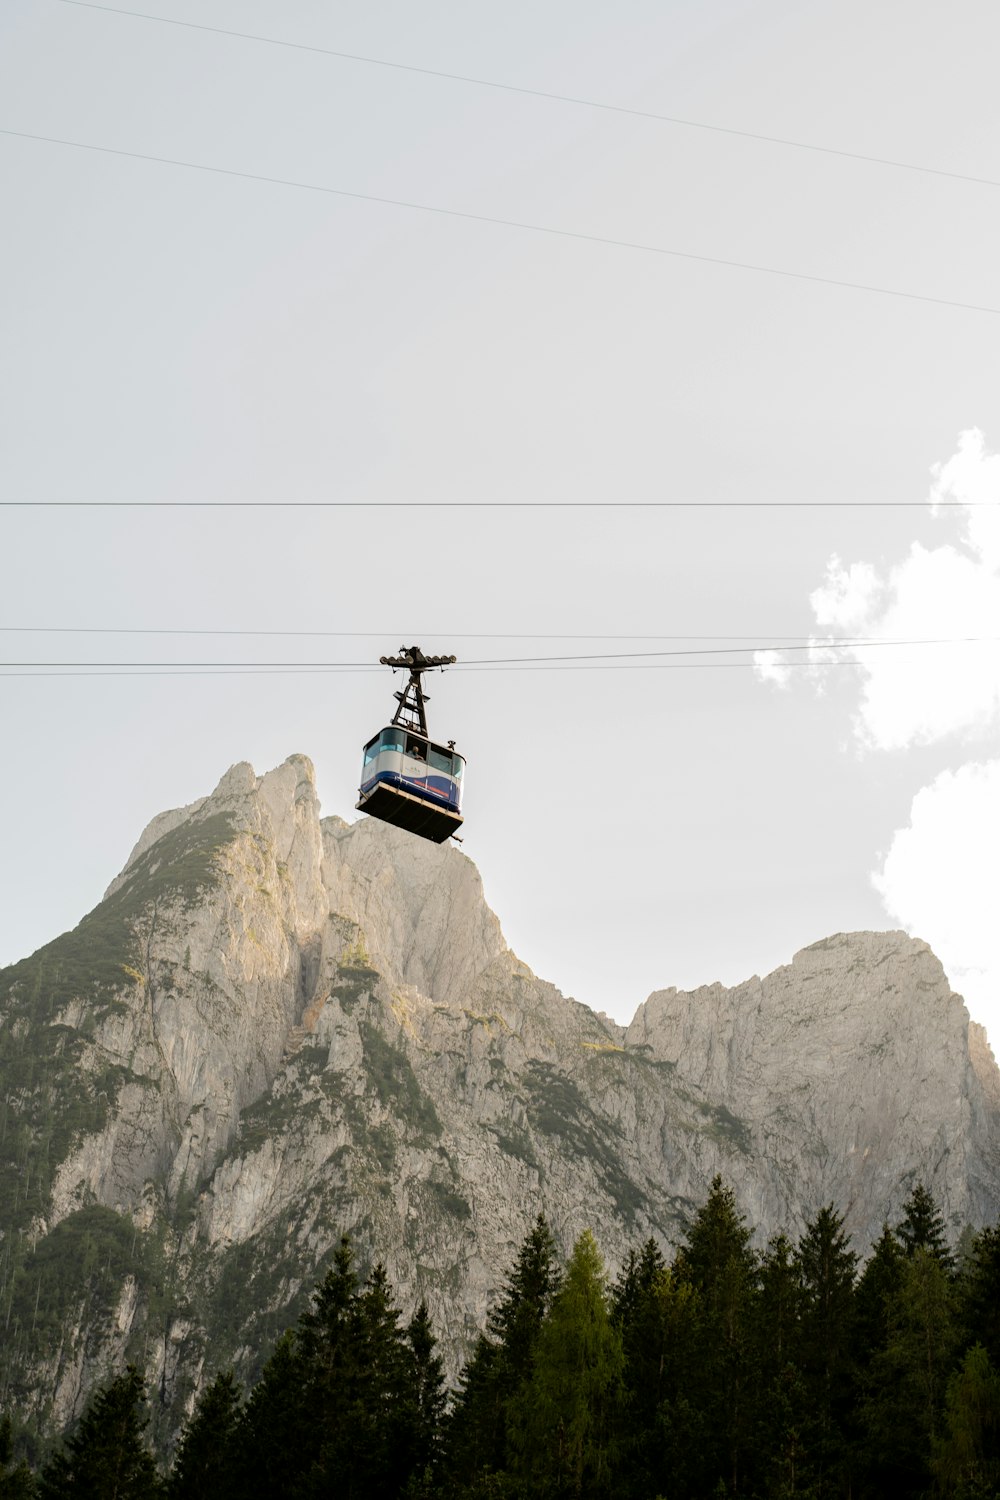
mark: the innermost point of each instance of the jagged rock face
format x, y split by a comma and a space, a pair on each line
276, 1028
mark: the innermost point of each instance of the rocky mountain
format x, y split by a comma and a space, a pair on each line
276, 1027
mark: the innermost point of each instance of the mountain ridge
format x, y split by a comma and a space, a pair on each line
277, 1027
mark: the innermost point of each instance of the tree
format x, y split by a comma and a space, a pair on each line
426, 1394
274, 1443
905, 1386
979, 1291
875, 1297
966, 1457
106, 1458
502, 1359
660, 1431
336, 1406
717, 1261
203, 1467
922, 1228
827, 1267
779, 1438
16, 1480
564, 1417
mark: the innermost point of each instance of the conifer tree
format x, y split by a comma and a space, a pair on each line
106, 1458
372, 1450
716, 1259
875, 1296
827, 1267
426, 1394
275, 1440
779, 1439
502, 1359
905, 1384
660, 1432
564, 1417
16, 1480
204, 1463
922, 1228
979, 1291
966, 1457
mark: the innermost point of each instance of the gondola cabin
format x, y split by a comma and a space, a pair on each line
407, 779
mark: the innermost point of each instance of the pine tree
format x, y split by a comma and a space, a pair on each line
979, 1292
564, 1417
658, 1318
203, 1467
827, 1267
905, 1385
875, 1295
476, 1438
779, 1439
427, 1395
16, 1480
922, 1228
966, 1456
276, 1440
106, 1458
716, 1259
292, 1411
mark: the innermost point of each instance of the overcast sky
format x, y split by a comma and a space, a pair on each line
171, 334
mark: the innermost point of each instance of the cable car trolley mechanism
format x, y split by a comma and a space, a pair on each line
406, 778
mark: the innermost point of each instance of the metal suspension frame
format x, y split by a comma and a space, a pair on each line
410, 710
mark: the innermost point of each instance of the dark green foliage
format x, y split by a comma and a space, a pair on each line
55, 1088
564, 1418
904, 1386
827, 1267
782, 1412
106, 1457
966, 1456
204, 1464
391, 1074
556, 1106
346, 1403
875, 1297
85, 1258
716, 1262
427, 1394
661, 1429
779, 1376
922, 1228
502, 1361
16, 1480
979, 1291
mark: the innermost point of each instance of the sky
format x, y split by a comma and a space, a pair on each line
173, 334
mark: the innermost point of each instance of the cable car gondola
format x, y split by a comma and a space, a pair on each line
406, 778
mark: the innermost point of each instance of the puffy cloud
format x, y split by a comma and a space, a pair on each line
941, 881
972, 477
920, 694
941, 876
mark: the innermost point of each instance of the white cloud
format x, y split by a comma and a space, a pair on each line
941, 877
972, 477
927, 692
941, 881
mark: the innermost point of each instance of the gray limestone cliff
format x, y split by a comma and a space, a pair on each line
277, 1028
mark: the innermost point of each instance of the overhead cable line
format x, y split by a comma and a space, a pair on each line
321, 671
378, 635
494, 220
853, 643
513, 88
500, 504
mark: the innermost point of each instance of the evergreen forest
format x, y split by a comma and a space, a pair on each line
728, 1371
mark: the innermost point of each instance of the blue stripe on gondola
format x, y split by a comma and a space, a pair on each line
436, 789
